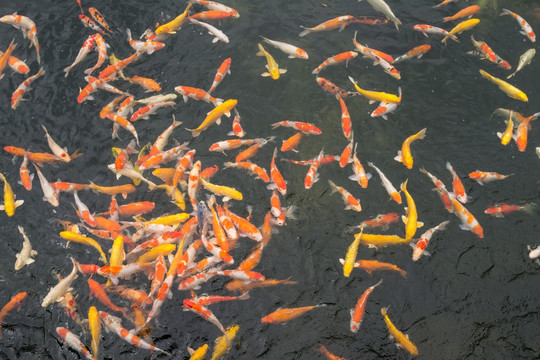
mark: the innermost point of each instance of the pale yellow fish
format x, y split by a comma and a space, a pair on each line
374, 96
198, 354
81, 239
401, 338
379, 241
172, 26
214, 116
350, 256
273, 69
9, 198
411, 221
153, 253
505, 87
223, 343
94, 323
461, 27
225, 191
404, 155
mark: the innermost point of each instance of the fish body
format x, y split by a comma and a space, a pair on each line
385, 65
420, 246
224, 68
101, 47
357, 314
461, 27
338, 22
73, 341
49, 193
278, 182
368, 52
146, 111
271, 65
251, 167
523, 129
13, 303
417, 52
488, 54
411, 221
499, 210
508, 134
25, 256
214, 15
468, 221
215, 6
17, 65
27, 26
24, 173
381, 220
377, 241
386, 108
401, 338
350, 256
94, 324
224, 342
469, 11
526, 28
291, 50
144, 46
172, 26
457, 186
404, 155
111, 70
225, 191
4, 58
312, 176
332, 88
86, 48
524, 60
370, 266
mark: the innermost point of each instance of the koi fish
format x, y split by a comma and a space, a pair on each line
385, 65
251, 167
223, 343
419, 248
277, 179
172, 26
203, 312
212, 30
10, 204
534, 254
487, 53
99, 18
400, 338
382, 7
101, 47
73, 341
468, 12
110, 71
306, 128
245, 228
87, 46
429, 29
378, 241
508, 134
346, 125
49, 193
345, 156
239, 285
273, 69
198, 354
25, 256
445, 2
323, 350
526, 28
418, 51
333, 89
225, 191
224, 68
370, 266
350, 256
381, 220
27, 26
99, 293
145, 112
374, 95
522, 130
94, 323
291, 143
214, 116
357, 314
13, 303
359, 173
351, 201
61, 288
283, 315
390, 189
197, 94
214, 15
291, 50
91, 24
499, 210
524, 60
215, 6
144, 46
24, 173
468, 221
336, 59
148, 84
461, 27
312, 176
404, 155
17, 65
457, 186
483, 177
410, 221
339, 22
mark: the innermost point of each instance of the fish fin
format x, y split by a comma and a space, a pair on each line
29, 261
353, 177
282, 71
523, 33
398, 157
404, 219
265, 74
499, 134
419, 224
463, 227
342, 261
260, 53
18, 203
185, 98
90, 97
371, 101
218, 121
291, 56
384, 117
305, 32
369, 176
33, 253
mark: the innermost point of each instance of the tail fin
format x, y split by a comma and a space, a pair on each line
305, 32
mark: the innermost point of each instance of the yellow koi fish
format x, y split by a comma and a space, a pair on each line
461, 27
9, 198
214, 116
223, 343
404, 155
172, 26
505, 87
117, 254
81, 239
350, 257
154, 253
378, 241
506, 136
401, 338
225, 191
375, 95
199, 353
410, 221
170, 220
94, 323
273, 69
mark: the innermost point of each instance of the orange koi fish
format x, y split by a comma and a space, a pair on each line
4, 58
418, 51
203, 312
351, 201
99, 293
381, 220
148, 84
499, 210
99, 18
123, 122
24, 173
359, 173
145, 112
340, 22
291, 143
277, 179
457, 185
253, 258
241, 286
522, 131
181, 167
283, 315
215, 6
370, 266
336, 59
345, 156
312, 176
467, 12
404, 155
357, 314
17, 65
197, 94
306, 128
13, 303
346, 125
84, 211
245, 228
111, 70
213, 15
468, 221
328, 354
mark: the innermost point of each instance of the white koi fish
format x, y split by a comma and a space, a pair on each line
25, 256
382, 7
212, 30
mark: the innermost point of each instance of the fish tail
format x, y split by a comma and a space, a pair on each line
397, 23
305, 32
448, 18
529, 208
261, 52
505, 12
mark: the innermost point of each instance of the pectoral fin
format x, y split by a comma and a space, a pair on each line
265, 74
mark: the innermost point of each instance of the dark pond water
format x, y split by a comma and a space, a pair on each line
472, 299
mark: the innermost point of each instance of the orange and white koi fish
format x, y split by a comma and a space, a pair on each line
483, 177
499, 210
27, 26
212, 30
323, 350
148, 84
419, 248
390, 189
386, 108
385, 65
181, 167
101, 47
336, 59
445, 2
357, 314
85, 94
303, 127
225, 145
291, 50
119, 189
114, 324
277, 179
17, 65
346, 125
24, 173
213, 15
400, 338
457, 186
468, 12
381, 220
340, 22
91, 24
312, 176
253, 258
224, 68
10, 204
283, 315
367, 52
404, 155
487, 53
203, 312
84, 211
236, 126
370, 266
522, 131
73, 341
241, 286
214, 116
245, 228
429, 29
146, 111
144, 46
359, 173
4, 58
251, 167
417, 51
351, 201
215, 6
86, 48
271, 65
345, 156
61, 288
468, 221
197, 94
111, 70
193, 184
126, 124
333, 89
244, 275
461, 27
526, 28
13, 303
48, 191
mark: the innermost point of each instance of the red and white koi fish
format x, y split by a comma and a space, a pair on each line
359, 173
251, 167
351, 201
18, 94
27, 26
70, 307
213, 299
499, 210
123, 155
346, 125
386, 108
14, 302
487, 53
340, 22
441, 189
325, 160
123, 122
17, 65
73, 341
92, 87
111, 70
381, 220
160, 270
195, 282
244, 275
197, 94
126, 107
162, 139
305, 128
457, 186
227, 223
224, 68
217, 251
333, 89
522, 131
144, 46
225, 145
193, 184
24, 173
357, 314
63, 186
215, 6
277, 179
101, 47
291, 50
49, 193
163, 157
236, 126
84, 211
390, 189
336, 59
145, 112
418, 51
420, 246
483, 177
468, 221
275, 204
113, 323
429, 29
366, 51
385, 65
212, 30
105, 86
345, 156
203, 312
214, 15
312, 176
86, 48
182, 166
526, 28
